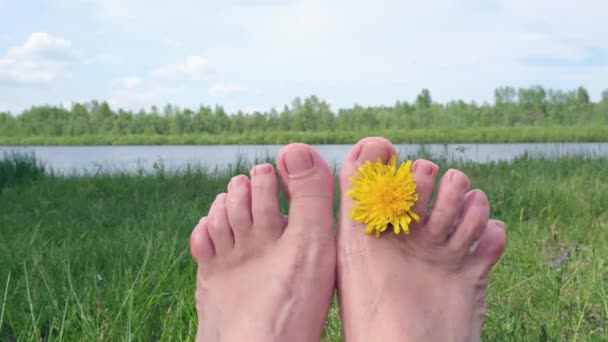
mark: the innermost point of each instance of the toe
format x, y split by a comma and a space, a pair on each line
424, 173
309, 185
491, 245
201, 245
238, 207
473, 221
265, 204
368, 149
450, 196
219, 226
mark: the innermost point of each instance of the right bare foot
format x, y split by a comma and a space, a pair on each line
426, 286
261, 277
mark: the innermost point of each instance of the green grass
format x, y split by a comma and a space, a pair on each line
414, 136
105, 257
16, 168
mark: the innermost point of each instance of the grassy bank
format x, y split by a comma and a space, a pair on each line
415, 136
106, 257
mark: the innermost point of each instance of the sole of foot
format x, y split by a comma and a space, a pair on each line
262, 276
429, 285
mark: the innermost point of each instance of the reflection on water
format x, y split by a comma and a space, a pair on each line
95, 158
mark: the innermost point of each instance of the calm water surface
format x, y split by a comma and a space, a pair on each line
69, 159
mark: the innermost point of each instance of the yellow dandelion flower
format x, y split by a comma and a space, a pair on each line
384, 195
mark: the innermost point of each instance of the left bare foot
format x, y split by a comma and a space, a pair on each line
261, 278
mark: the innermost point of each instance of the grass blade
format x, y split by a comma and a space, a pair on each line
8, 281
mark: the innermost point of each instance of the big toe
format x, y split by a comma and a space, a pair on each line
308, 184
367, 149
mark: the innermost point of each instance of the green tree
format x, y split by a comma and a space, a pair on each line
424, 99
122, 123
8, 124
80, 120
603, 107
525, 106
423, 105
533, 104
221, 120
285, 119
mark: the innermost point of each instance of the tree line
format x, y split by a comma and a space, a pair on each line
533, 106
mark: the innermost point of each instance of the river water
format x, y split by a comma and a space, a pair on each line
79, 159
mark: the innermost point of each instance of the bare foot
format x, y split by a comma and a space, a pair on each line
426, 286
263, 277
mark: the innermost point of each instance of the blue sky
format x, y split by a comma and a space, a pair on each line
257, 54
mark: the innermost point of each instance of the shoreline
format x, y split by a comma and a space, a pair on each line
482, 135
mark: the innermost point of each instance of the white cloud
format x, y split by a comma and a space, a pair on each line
225, 89
131, 82
144, 96
295, 47
41, 60
193, 67
347, 50
42, 45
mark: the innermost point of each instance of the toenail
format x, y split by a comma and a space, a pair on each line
263, 169
499, 224
424, 168
299, 162
478, 197
372, 151
236, 180
457, 178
